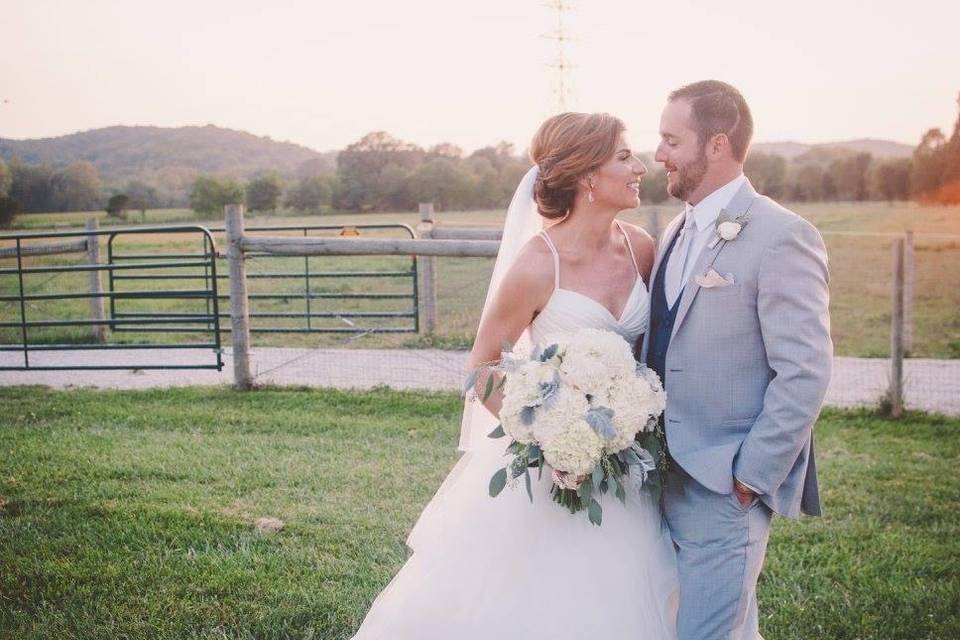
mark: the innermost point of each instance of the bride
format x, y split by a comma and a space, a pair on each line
502, 567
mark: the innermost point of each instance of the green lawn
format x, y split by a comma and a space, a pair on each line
130, 515
860, 286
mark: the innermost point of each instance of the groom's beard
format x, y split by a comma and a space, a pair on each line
689, 178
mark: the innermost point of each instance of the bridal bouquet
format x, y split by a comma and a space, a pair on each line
582, 404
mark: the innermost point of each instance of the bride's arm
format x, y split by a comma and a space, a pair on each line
524, 290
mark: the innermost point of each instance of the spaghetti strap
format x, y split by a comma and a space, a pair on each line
626, 237
556, 259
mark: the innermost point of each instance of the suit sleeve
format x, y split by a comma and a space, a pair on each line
793, 308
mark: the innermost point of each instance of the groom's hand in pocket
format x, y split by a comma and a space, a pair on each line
745, 495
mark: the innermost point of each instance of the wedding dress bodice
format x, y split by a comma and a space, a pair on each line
568, 310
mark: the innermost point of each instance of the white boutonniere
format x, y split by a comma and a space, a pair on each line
727, 229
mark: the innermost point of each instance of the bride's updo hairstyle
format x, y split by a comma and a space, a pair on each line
567, 147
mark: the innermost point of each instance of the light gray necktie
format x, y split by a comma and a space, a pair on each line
673, 280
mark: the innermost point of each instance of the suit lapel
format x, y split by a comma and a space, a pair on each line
738, 206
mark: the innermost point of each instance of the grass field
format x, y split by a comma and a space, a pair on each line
130, 515
859, 254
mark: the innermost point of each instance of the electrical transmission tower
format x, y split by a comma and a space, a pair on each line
560, 64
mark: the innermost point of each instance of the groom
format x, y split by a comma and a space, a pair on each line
740, 335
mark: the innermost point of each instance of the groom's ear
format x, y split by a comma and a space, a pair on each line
719, 146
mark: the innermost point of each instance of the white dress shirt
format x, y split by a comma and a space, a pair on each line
699, 223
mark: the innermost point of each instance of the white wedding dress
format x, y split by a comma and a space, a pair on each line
493, 568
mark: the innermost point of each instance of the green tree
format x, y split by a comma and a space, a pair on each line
310, 193
142, 195
445, 150
210, 194
263, 192
498, 171
805, 183
890, 180
31, 187
445, 182
371, 173
5, 178
77, 188
9, 209
117, 206
929, 163
767, 172
850, 175
653, 186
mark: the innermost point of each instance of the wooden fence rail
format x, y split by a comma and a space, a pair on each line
77, 246
438, 241
239, 245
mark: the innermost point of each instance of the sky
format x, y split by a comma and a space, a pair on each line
323, 74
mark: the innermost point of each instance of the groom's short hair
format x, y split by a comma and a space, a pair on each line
718, 107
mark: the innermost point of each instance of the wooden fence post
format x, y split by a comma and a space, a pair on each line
427, 266
896, 332
908, 293
96, 284
239, 309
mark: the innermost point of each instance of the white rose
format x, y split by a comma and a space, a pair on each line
729, 230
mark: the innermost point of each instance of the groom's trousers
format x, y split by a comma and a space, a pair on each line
720, 550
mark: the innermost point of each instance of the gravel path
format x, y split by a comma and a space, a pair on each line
931, 385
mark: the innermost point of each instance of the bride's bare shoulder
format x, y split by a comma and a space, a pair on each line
532, 270
643, 245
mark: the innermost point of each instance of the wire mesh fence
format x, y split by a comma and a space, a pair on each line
352, 303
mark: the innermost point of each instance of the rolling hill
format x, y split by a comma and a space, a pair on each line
158, 154
876, 148
123, 153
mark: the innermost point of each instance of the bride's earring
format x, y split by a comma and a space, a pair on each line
590, 194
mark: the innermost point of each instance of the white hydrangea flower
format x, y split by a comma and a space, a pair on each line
567, 405
629, 412
594, 357
523, 383
575, 449
513, 424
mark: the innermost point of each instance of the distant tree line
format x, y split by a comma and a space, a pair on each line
378, 173
935, 173
382, 173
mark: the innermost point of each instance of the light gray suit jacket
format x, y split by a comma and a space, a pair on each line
749, 363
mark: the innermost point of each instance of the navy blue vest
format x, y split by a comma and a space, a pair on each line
662, 318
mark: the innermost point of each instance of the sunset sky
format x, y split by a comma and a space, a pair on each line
473, 73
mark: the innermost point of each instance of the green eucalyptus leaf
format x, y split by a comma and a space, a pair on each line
549, 352
488, 389
526, 480
586, 491
471, 380
597, 477
595, 513
526, 415
497, 433
621, 494
498, 482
